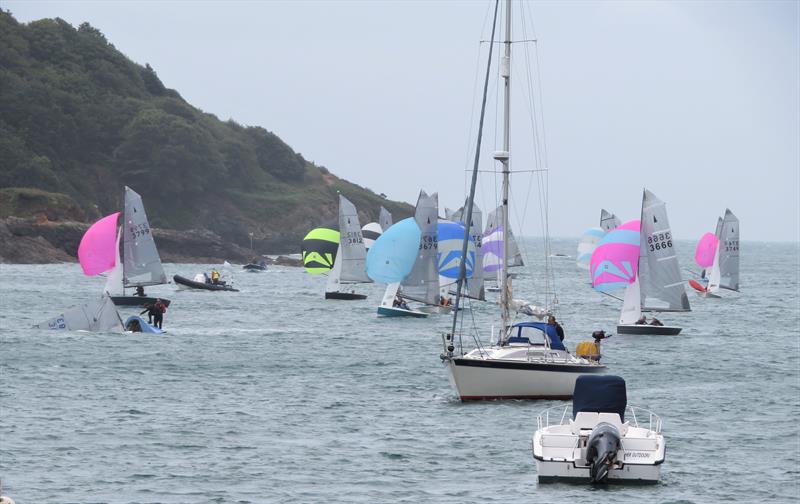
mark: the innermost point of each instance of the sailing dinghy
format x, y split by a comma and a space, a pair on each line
639, 256
718, 254
349, 266
96, 316
98, 252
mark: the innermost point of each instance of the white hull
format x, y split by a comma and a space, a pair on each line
552, 471
520, 380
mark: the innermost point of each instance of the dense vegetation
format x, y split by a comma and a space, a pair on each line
78, 120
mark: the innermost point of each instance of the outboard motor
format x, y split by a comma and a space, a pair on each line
601, 451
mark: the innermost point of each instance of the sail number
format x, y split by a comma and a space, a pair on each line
659, 241
429, 242
354, 237
139, 230
731, 245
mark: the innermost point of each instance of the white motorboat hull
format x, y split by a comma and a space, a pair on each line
476, 379
552, 471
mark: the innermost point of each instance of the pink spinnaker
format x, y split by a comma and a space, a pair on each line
614, 263
706, 250
96, 252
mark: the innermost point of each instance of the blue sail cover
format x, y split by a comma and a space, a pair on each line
448, 257
392, 256
599, 394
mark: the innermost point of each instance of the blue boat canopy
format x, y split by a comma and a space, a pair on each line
548, 330
599, 394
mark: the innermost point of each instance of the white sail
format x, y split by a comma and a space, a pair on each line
631, 304
475, 284
114, 285
95, 316
389, 295
142, 265
422, 284
385, 219
352, 254
729, 252
662, 288
608, 221
334, 277
714, 274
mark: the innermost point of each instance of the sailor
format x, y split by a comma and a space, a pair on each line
214, 276
160, 310
151, 310
139, 291
551, 320
400, 303
642, 320
655, 322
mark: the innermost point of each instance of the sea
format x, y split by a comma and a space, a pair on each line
273, 394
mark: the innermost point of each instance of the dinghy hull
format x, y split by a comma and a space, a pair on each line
646, 329
399, 312
136, 300
137, 324
345, 296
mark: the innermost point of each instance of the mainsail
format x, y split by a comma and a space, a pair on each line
352, 253
385, 219
142, 265
422, 284
319, 250
729, 252
608, 221
95, 316
659, 272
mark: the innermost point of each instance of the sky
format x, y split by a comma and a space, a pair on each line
699, 102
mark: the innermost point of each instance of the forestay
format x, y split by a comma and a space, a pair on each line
142, 265
659, 272
95, 316
422, 283
352, 253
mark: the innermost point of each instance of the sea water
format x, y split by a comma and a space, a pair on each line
273, 394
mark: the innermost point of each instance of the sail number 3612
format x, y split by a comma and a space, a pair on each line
659, 241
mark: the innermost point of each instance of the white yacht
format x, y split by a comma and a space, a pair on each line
599, 438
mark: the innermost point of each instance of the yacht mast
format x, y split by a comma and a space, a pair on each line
503, 157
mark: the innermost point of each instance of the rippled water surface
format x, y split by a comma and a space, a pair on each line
273, 394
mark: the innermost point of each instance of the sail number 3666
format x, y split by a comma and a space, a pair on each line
659, 241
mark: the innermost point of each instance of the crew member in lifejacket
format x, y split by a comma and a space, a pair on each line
214, 277
139, 291
155, 313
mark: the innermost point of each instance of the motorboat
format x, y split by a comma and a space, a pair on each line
599, 438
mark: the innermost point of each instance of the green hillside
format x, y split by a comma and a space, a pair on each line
79, 120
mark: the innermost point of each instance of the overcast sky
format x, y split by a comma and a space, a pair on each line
698, 102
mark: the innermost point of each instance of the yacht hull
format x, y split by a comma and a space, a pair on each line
476, 379
648, 329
